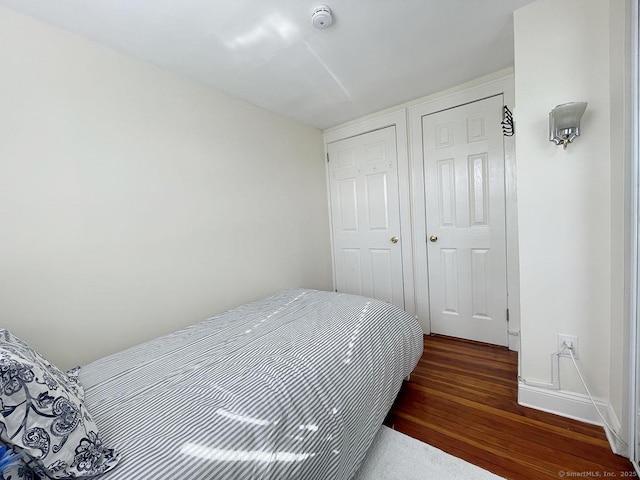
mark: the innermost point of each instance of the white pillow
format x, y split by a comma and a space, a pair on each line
43, 415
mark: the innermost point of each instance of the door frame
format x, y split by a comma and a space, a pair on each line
631, 359
398, 119
504, 86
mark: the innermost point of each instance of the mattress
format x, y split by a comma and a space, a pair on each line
293, 386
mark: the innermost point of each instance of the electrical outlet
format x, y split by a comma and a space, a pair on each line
562, 348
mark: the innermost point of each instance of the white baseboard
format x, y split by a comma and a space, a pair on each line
617, 445
573, 405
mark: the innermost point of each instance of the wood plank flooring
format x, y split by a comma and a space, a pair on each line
462, 399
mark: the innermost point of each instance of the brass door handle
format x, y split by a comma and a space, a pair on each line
394, 239
433, 238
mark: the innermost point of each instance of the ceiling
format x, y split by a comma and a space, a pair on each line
377, 53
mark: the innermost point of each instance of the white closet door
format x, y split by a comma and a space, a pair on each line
465, 207
365, 213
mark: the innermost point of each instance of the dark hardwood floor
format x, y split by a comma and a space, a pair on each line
462, 398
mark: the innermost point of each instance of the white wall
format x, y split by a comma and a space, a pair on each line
133, 202
570, 232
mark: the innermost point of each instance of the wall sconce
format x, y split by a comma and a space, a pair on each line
564, 122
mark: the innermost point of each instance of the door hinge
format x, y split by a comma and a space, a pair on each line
507, 315
327, 158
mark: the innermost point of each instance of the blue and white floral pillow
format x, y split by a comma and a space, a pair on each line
12, 467
18, 470
43, 416
70, 379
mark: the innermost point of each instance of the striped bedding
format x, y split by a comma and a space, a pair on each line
294, 386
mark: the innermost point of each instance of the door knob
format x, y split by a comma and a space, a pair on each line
433, 238
394, 239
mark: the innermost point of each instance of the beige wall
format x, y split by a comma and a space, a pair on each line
569, 201
133, 202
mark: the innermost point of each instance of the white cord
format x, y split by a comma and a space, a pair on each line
611, 429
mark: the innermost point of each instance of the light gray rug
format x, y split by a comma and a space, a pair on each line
396, 456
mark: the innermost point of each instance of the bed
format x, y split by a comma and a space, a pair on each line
293, 386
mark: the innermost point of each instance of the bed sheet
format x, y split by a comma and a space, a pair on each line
293, 386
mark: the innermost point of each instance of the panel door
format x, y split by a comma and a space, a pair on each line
365, 215
465, 205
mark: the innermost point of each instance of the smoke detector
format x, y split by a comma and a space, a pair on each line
321, 16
